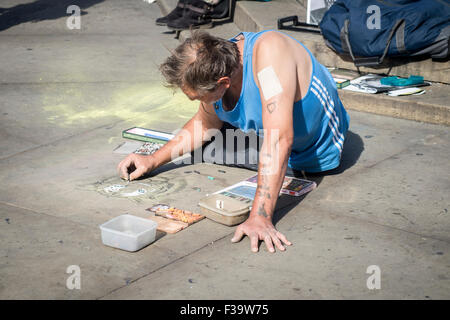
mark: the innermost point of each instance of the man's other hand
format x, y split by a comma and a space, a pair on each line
260, 228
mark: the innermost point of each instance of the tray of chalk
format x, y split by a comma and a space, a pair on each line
172, 220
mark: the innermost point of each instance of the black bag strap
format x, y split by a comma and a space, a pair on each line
369, 61
296, 25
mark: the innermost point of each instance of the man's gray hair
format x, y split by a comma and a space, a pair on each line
200, 61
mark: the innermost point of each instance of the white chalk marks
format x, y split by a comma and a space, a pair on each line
151, 188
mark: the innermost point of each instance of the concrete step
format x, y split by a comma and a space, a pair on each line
431, 107
255, 16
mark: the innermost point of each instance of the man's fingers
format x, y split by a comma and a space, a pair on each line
239, 233
269, 244
137, 173
277, 241
254, 241
283, 238
124, 168
119, 167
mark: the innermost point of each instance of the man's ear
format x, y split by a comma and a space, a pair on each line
226, 81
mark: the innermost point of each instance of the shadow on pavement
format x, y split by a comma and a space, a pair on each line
40, 10
353, 147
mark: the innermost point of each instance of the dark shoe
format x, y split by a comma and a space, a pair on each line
196, 15
220, 10
173, 15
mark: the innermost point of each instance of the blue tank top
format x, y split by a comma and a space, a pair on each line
320, 120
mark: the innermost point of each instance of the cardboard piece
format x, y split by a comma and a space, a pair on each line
167, 225
171, 213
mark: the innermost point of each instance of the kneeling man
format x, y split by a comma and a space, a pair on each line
268, 82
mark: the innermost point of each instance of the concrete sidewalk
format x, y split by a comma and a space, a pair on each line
65, 97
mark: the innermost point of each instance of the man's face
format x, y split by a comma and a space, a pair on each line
206, 97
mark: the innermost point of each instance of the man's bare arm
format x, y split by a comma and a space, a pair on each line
277, 83
185, 141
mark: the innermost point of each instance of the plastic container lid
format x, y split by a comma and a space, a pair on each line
128, 232
224, 205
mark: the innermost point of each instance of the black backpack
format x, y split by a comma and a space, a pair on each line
371, 30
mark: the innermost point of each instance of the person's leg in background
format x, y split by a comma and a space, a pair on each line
173, 15
195, 14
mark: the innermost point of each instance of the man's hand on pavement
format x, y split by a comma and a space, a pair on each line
260, 228
135, 166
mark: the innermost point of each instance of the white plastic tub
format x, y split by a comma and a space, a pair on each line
128, 232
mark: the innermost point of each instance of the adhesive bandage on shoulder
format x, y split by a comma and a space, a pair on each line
269, 82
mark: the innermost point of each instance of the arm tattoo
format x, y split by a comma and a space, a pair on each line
271, 107
264, 193
262, 211
263, 187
